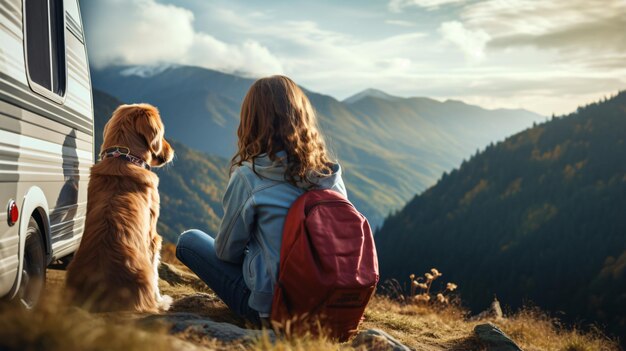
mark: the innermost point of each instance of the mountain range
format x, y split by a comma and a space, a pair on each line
390, 147
538, 218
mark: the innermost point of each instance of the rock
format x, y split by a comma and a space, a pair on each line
174, 275
378, 340
494, 339
177, 276
494, 312
197, 303
203, 327
207, 305
496, 309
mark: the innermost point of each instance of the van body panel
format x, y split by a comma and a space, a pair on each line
46, 144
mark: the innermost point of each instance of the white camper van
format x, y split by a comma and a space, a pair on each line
46, 140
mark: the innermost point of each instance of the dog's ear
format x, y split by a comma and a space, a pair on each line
149, 125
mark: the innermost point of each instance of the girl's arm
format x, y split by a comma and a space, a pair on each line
238, 220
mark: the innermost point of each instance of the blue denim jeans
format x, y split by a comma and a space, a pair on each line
197, 251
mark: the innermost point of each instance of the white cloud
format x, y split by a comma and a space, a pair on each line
400, 5
400, 23
519, 44
395, 65
569, 26
139, 31
340, 63
147, 32
249, 57
471, 42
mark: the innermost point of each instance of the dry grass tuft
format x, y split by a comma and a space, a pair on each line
420, 326
55, 326
532, 329
428, 327
298, 344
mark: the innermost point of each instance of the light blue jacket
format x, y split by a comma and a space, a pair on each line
255, 207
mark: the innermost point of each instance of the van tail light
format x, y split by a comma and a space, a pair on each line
13, 213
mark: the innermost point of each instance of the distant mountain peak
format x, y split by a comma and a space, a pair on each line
146, 71
370, 92
454, 101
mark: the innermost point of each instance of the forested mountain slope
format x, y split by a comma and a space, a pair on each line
538, 217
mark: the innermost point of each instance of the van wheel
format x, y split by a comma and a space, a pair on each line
33, 267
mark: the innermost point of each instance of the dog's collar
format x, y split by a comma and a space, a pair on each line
124, 153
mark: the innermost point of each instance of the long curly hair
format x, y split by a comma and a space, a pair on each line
276, 116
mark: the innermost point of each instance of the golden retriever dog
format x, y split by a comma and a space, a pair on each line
116, 265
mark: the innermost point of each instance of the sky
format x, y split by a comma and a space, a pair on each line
544, 56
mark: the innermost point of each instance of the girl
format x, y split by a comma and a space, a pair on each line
280, 155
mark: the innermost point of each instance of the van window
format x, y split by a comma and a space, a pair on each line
45, 44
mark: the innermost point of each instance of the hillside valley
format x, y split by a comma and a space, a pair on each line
191, 191
390, 147
537, 218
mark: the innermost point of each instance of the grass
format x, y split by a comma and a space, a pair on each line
426, 328
532, 329
55, 326
421, 326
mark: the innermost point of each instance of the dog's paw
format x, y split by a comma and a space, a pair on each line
165, 302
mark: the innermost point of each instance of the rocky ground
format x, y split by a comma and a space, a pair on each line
198, 320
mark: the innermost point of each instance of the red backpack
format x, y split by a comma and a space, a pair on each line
328, 267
